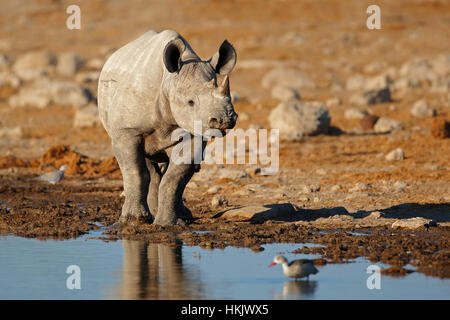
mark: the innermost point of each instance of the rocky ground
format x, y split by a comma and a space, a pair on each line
363, 118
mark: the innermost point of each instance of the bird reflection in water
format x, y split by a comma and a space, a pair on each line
297, 289
156, 271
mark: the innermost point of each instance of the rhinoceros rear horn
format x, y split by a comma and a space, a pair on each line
223, 61
172, 55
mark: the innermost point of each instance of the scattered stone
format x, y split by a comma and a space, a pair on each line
233, 174
412, 223
68, 64
283, 93
11, 133
368, 122
333, 102
385, 125
293, 78
9, 79
440, 128
296, 119
321, 172
43, 92
355, 195
372, 97
355, 113
359, 187
377, 83
87, 117
421, 109
214, 189
95, 64
417, 72
259, 214
309, 189
399, 186
395, 155
375, 215
336, 188
218, 201
33, 65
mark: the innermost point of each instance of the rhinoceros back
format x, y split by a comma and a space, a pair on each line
130, 81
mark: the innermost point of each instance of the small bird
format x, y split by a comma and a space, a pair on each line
53, 177
297, 268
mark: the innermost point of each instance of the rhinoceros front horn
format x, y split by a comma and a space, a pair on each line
224, 88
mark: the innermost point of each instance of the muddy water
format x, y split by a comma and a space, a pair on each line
33, 269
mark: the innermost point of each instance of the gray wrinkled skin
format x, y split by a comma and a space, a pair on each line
147, 89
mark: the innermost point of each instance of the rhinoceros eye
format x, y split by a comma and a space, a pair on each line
191, 103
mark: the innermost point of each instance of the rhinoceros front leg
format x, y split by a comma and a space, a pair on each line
170, 195
129, 151
153, 189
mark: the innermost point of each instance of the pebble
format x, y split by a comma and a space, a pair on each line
422, 109
395, 155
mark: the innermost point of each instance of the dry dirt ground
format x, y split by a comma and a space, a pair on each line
363, 198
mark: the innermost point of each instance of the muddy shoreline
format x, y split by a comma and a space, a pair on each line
77, 206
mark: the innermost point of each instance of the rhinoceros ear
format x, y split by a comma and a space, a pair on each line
172, 55
223, 61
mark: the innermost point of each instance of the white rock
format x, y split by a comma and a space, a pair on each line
293, 78
68, 64
359, 187
399, 186
95, 64
87, 117
218, 201
355, 113
9, 79
285, 211
43, 92
421, 109
412, 223
283, 93
378, 83
385, 125
11, 133
395, 155
296, 119
336, 188
33, 65
214, 189
333, 102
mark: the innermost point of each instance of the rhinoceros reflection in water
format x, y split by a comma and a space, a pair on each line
155, 271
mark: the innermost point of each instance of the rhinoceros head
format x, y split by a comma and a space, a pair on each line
193, 90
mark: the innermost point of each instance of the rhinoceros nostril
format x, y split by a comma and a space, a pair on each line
213, 123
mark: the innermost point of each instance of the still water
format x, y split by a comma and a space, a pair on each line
34, 269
